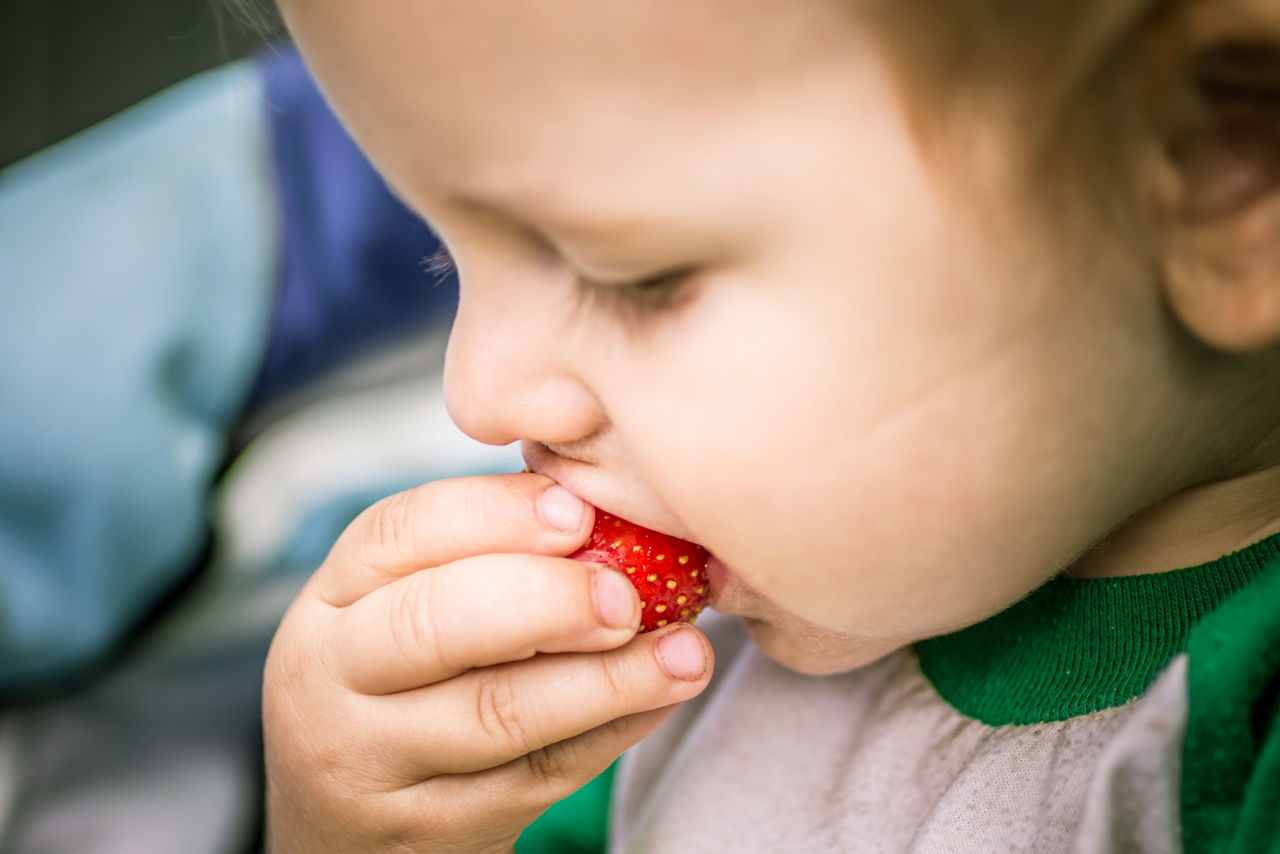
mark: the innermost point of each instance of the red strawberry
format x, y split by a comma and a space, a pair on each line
670, 573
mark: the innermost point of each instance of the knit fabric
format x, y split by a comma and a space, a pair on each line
1080, 645
1231, 788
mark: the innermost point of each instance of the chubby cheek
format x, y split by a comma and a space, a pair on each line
850, 540
902, 497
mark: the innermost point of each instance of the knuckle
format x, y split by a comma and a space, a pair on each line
615, 681
393, 523
616, 730
415, 631
554, 769
498, 710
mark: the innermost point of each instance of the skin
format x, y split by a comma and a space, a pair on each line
889, 410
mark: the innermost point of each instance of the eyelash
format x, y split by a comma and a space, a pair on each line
633, 302
638, 301
440, 264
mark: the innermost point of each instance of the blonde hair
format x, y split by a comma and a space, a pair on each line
258, 17
1061, 80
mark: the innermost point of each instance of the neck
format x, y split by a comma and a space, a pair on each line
1194, 526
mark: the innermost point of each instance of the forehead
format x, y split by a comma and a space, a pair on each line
485, 92
525, 43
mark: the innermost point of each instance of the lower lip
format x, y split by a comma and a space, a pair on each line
718, 578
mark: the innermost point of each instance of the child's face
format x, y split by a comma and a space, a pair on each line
873, 397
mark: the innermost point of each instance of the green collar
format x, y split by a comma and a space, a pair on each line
1080, 645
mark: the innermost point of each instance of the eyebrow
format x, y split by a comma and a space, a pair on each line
600, 224
632, 232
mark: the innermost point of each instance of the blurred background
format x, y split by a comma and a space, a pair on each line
66, 64
220, 339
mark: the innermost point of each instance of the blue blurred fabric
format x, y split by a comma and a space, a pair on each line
135, 282
161, 275
353, 257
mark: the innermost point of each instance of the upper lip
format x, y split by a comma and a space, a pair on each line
537, 456
574, 451
580, 476
542, 459
589, 481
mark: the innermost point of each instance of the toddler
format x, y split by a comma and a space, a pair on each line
951, 329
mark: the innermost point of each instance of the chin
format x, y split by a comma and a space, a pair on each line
816, 652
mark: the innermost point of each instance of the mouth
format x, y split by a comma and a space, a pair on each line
583, 480
564, 470
601, 488
542, 459
574, 452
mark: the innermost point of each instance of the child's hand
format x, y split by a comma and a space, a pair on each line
410, 700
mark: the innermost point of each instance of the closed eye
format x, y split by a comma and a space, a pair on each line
639, 300
633, 302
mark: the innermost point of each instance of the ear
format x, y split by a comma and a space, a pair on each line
1213, 75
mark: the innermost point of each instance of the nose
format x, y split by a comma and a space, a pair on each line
507, 378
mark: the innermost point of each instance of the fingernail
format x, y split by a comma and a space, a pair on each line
615, 599
682, 656
561, 510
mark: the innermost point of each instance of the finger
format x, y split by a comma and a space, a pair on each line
558, 770
446, 520
485, 718
465, 804
476, 612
